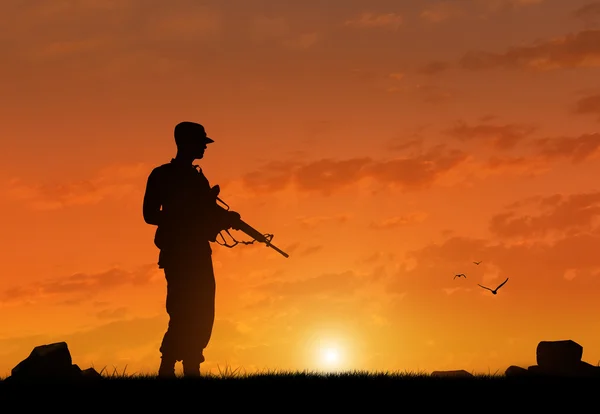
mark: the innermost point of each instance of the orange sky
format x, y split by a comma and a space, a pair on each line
386, 146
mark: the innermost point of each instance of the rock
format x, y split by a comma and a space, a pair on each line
90, 373
50, 362
535, 370
558, 356
45, 361
461, 373
515, 371
580, 369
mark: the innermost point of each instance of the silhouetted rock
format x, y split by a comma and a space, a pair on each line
558, 355
90, 373
50, 362
579, 369
460, 373
515, 371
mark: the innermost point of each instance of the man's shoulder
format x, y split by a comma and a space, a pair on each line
162, 169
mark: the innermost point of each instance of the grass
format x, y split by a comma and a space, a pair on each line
227, 373
307, 389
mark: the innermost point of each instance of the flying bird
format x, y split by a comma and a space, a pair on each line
477, 263
460, 275
495, 291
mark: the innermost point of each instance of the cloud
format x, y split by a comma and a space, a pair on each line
311, 250
302, 41
363, 75
496, 6
406, 144
417, 172
88, 284
328, 285
117, 181
115, 28
397, 76
589, 13
555, 213
588, 105
434, 67
326, 176
312, 222
501, 137
263, 28
519, 165
574, 50
369, 20
441, 11
399, 221
535, 267
427, 93
576, 149
117, 313
444, 10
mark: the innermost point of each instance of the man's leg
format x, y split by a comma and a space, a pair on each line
175, 305
167, 367
191, 308
202, 316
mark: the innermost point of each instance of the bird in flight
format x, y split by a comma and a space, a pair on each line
477, 263
460, 275
495, 291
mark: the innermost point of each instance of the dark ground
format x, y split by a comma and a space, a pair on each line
292, 393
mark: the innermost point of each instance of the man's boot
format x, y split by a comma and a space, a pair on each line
191, 369
167, 368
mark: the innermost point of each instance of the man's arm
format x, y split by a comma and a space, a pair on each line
152, 200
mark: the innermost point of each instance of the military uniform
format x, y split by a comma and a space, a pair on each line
188, 221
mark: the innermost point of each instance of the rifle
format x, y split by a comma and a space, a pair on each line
246, 228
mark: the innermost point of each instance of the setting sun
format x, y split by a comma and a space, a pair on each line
331, 356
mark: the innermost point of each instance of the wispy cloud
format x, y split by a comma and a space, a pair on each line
399, 221
87, 284
442, 10
501, 137
117, 181
574, 50
555, 213
588, 13
581, 49
327, 176
588, 105
369, 20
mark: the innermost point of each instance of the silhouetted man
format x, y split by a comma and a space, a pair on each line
180, 202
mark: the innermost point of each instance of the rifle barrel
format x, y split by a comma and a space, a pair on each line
256, 235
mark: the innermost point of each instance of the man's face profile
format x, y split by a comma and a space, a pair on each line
195, 145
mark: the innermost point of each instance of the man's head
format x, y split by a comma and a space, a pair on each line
191, 139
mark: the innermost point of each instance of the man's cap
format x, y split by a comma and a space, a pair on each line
191, 129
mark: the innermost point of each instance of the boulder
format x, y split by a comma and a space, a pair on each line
90, 373
50, 362
46, 361
581, 369
558, 356
460, 373
515, 371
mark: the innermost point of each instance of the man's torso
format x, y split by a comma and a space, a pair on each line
186, 204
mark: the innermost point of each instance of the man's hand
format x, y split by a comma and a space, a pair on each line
234, 219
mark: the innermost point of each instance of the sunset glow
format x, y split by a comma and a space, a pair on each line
386, 145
